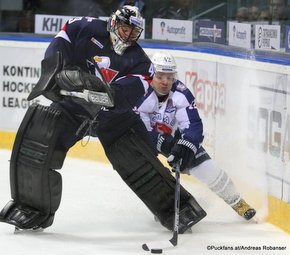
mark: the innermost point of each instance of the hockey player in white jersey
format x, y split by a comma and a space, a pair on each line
171, 117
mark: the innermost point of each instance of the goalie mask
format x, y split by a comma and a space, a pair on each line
125, 27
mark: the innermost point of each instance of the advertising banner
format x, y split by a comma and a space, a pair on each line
172, 30
245, 117
240, 34
49, 24
211, 31
267, 37
17, 79
268, 129
52, 24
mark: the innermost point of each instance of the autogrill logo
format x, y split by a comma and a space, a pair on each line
241, 35
176, 30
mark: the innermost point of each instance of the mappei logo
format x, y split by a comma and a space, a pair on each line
210, 96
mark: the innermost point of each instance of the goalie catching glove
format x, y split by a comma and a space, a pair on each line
75, 79
77, 83
183, 151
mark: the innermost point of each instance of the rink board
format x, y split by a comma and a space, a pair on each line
243, 103
278, 211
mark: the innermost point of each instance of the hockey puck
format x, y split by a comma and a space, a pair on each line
156, 251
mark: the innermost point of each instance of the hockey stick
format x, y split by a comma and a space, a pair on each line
108, 85
158, 246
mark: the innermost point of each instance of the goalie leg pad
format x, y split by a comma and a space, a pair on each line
139, 167
35, 187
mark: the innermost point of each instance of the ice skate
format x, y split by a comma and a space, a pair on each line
244, 210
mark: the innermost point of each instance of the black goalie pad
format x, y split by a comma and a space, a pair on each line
136, 162
24, 217
35, 187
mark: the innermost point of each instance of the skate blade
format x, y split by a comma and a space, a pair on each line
257, 219
22, 231
188, 231
156, 219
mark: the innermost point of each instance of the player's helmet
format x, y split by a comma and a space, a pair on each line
163, 62
164, 69
125, 27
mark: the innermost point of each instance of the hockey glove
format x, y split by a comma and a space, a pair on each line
75, 79
183, 151
165, 143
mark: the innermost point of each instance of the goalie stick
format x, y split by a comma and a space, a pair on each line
95, 97
110, 97
158, 246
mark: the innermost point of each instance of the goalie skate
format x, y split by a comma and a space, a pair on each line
188, 231
244, 210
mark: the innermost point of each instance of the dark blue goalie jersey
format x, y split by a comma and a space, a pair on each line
85, 42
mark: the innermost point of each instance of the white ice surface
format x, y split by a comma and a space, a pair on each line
100, 215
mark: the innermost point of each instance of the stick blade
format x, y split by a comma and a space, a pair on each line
158, 245
145, 247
